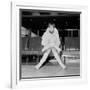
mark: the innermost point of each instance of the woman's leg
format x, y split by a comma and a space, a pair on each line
58, 58
46, 47
43, 59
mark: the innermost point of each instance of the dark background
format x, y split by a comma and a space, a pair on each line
38, 20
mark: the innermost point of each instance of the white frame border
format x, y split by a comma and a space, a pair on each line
15, 82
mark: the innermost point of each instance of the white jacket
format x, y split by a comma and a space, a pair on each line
51, 38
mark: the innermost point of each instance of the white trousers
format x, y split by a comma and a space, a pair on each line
47, 52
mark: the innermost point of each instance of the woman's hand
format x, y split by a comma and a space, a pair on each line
57, 48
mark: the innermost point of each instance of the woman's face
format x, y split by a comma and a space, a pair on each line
51, 28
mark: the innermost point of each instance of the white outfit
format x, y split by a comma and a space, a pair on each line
51, 42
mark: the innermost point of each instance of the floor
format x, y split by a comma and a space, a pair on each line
52, 69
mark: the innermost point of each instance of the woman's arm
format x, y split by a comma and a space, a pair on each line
57, 41
45, 38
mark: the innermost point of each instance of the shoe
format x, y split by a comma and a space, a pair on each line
37, 67
64, 67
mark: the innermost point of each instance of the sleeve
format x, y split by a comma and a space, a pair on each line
58, 42
44, 41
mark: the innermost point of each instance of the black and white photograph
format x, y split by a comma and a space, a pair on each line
49, 43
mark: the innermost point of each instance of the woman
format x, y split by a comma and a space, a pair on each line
51, 42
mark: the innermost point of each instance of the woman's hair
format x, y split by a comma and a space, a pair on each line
51, 23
